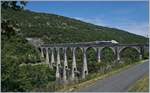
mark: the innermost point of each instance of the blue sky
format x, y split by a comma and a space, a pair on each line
131, 16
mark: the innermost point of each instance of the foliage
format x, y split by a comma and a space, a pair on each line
8, 29
129, 55
16, 51
9, 68
26, 77
13, 4
107, 55
36, 76
16, 25
108, 59
18, 47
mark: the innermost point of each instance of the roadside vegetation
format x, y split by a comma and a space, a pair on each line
141, 85
92, 78
17, 24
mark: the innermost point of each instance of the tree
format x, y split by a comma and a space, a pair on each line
10, 27
17, 5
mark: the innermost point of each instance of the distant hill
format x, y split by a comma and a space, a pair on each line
59, 29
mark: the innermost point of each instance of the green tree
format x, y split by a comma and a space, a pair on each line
17, 5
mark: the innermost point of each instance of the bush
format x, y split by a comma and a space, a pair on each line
36, 76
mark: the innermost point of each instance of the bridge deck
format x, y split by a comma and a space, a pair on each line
90, 45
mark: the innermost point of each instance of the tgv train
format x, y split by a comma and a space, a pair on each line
102, 42
107, 42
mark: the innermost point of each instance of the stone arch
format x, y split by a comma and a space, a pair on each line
74, 68
79, 61
112, 56
47, 50
48, 57
79, 52
52, 56
133, 47
91, 48
41, 52
80, 48
112, 48
64, 53
44, 52
91, 54
65, 64
58, 58
55, 52
69, 58
40, 49
61, 53
94, 48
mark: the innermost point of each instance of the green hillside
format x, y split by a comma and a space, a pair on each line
18, 75
55, 29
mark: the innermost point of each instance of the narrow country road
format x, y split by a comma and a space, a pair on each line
119, 82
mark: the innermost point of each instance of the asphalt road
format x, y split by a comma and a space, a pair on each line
119, 82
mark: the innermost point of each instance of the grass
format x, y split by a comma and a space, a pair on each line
94, 78
141, 85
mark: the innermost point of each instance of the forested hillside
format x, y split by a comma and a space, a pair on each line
17, 54
58, 29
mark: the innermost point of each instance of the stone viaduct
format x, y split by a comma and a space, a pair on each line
48, 51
